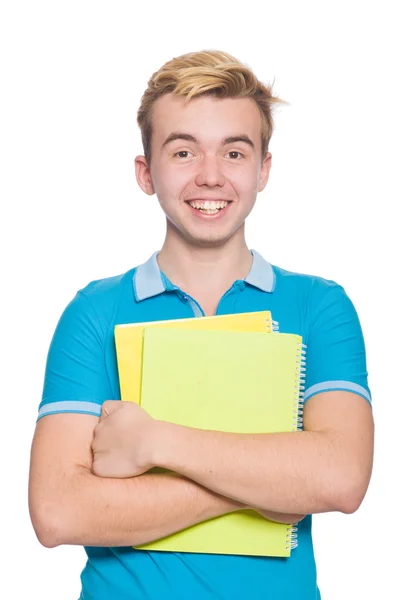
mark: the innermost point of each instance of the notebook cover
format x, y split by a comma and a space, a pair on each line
236, 381
129, 342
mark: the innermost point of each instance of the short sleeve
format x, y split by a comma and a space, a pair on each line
335, 354
76, 378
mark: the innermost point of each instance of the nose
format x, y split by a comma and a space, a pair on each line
210, 172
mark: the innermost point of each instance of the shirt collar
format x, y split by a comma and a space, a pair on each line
150, 281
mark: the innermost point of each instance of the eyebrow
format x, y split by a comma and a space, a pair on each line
176, 135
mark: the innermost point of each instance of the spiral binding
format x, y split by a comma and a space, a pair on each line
292, 530
275, 327
292, 537
300, 371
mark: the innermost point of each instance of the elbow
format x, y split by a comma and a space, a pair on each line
55, 515
47, 537
47, 523
350, 502
348, 496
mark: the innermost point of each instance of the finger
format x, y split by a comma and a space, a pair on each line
107, 409
111, 466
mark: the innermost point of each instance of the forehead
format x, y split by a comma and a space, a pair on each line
205, 115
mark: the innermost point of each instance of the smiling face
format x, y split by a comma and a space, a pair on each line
207, 149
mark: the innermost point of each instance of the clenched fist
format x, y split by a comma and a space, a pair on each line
123, 440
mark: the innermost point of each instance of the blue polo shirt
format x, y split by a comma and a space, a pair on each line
81, 373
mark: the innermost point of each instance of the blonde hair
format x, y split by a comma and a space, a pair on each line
208, 72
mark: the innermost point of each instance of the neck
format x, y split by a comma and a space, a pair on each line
197, 268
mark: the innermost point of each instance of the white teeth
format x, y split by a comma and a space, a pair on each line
208, 206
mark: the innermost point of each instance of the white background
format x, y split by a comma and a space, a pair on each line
72, 75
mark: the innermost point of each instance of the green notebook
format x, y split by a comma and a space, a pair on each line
237, 381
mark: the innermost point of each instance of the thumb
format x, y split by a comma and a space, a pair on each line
108, 407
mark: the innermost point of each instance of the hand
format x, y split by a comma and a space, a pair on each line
122, 440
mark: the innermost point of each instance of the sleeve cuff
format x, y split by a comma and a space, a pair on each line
347, 386
70, 406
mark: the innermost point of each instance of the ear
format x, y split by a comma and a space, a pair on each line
265, 171
143, 177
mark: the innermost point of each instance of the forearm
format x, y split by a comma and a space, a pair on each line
124, 512
282, 472
70, 505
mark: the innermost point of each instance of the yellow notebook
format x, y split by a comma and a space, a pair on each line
129, 342
236, 381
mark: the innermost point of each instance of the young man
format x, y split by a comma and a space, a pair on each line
206, 123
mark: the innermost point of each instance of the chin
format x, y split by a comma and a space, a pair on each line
201, 236
212, 240
209, 243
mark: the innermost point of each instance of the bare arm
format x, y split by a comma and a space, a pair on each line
70, 505
327, 467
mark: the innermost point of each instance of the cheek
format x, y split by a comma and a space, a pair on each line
244, 180
169, 183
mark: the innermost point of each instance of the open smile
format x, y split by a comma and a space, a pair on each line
209, 208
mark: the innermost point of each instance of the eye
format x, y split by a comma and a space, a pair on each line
235, 152
177, 154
